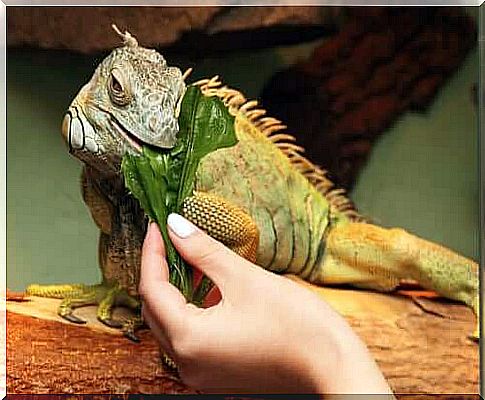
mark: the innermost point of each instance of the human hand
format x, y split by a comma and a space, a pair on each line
267, 334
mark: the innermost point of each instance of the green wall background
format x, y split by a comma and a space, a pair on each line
422, 175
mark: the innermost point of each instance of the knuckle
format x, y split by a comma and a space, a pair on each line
210, 252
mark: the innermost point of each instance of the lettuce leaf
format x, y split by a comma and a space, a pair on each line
161, 179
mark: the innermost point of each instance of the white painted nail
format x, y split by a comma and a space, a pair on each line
180, 226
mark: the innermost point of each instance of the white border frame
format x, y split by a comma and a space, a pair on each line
3, 117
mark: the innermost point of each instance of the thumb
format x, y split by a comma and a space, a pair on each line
220, 264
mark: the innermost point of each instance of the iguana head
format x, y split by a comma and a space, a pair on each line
133, 98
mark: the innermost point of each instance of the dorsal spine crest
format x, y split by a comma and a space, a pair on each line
273, 130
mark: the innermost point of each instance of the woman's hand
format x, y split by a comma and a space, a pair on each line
267, 334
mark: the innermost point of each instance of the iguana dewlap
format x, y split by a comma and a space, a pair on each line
260, 197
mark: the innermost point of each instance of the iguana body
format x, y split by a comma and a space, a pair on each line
260, 197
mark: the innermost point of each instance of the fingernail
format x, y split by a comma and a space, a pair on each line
152, 227
180, 226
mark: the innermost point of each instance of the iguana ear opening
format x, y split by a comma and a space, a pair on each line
128, 40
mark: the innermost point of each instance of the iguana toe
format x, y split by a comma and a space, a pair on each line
105, 296
167, 361
475, 304
130, 325
72, 318
67, 306
474, 337
112, 323
130, 334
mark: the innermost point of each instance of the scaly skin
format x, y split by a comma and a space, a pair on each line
316, 235
259, 197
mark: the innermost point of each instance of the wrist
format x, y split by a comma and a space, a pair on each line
344, 365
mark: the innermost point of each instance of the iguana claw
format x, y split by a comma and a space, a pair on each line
130, 334
168, 362
130, 326
105, 296
474, 337
112, 323
72, 318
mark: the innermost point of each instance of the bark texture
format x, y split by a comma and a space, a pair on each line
88, 29
383, 62
418, 351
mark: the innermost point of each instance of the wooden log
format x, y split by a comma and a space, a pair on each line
418, 351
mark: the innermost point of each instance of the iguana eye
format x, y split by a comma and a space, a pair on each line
118, 92
116, 85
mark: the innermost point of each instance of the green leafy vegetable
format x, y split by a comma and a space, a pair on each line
162, 179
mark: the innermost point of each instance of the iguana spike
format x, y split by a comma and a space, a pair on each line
249, 104
231, 97
336, 192
273, 128
266, 122
237, 103
187, 73
211, 92
281, 136
214, 82
285, 146
227, 93
253, 115
128, 40
201, 82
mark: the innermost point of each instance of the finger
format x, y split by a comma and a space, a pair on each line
159, 334
165, 303
153, 253
215, 260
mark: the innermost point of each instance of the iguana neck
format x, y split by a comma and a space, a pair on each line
127, 229
111, 186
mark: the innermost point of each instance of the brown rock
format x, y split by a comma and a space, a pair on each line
383, 62
88, 29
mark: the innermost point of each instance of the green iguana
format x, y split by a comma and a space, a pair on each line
260, 197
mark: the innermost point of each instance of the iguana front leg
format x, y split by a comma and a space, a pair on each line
225, 222
122, 227
229, 224
105, 296
369, 256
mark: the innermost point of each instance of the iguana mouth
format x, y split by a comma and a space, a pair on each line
136, 143
77, 132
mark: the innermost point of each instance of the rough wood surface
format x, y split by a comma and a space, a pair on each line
418, 351
88, 29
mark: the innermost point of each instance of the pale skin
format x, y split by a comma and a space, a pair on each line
266, 335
